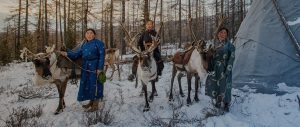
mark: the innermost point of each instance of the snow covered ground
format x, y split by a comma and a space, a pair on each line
125, 104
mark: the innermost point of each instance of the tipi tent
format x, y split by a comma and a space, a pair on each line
266, 54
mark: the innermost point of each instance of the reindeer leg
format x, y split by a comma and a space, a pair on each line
174, 71
153, 91
189, 78
197, 79
118, 67
59, 108
113, 71
147, 107
64, 87
106, 67
154, 88
61, 87
180, 75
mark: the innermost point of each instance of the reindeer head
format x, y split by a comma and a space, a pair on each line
42, 67
41, 61
145, 58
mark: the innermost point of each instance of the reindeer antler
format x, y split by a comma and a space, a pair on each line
191, 30
134, 48
155, 40
222, 19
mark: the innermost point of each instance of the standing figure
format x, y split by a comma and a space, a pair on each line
219, 83
144, 42
92, 53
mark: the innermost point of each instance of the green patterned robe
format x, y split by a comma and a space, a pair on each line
220, 82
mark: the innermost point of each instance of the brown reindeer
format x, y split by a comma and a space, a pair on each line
112, 60
147, 68
47, 70
195, 62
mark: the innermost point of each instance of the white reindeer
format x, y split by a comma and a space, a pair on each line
147, 68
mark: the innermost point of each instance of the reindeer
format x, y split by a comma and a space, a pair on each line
47, 71
195, 61
112, 60
147, 68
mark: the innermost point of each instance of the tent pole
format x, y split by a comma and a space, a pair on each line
287, 27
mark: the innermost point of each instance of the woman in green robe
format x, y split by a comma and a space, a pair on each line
219, 82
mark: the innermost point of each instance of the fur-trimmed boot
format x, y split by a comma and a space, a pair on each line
86, 106
94, 106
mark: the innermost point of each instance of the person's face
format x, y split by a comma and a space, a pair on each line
149, 25
222, 35
89, 35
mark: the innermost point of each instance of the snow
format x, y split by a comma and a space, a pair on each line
248, 109
297, 21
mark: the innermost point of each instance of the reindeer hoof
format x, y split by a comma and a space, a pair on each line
58, 111
196, 99
189, 102
171, 98
182, 95
151, 99
146, 109
155, 93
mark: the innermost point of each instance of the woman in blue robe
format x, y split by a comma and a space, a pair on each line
92, 52
219, 83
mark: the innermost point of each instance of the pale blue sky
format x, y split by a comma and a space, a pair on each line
5, 6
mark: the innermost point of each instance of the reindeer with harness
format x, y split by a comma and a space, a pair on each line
47, 70
195, 61
147, 67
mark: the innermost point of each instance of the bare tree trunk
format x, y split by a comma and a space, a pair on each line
123, 45
146, 11
179, 30
19, 31
102, 18
244, 8
46, 25
60, 27
216, 18
26, 22
75, 23
233, 17
222, 7
154, 17
241, 11
106, 29
161, 20
111, 32
228, 8
133, 16
56, 23
65, 22
190, 15
38, 31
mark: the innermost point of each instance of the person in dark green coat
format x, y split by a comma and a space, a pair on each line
219, 82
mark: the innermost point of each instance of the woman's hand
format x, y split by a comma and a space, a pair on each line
63, 53
98, 72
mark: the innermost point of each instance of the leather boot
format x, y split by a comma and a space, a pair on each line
94, 106
86, 106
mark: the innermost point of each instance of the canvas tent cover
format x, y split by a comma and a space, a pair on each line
265, 53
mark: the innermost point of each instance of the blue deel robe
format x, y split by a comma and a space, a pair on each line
220, 82
93, 56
